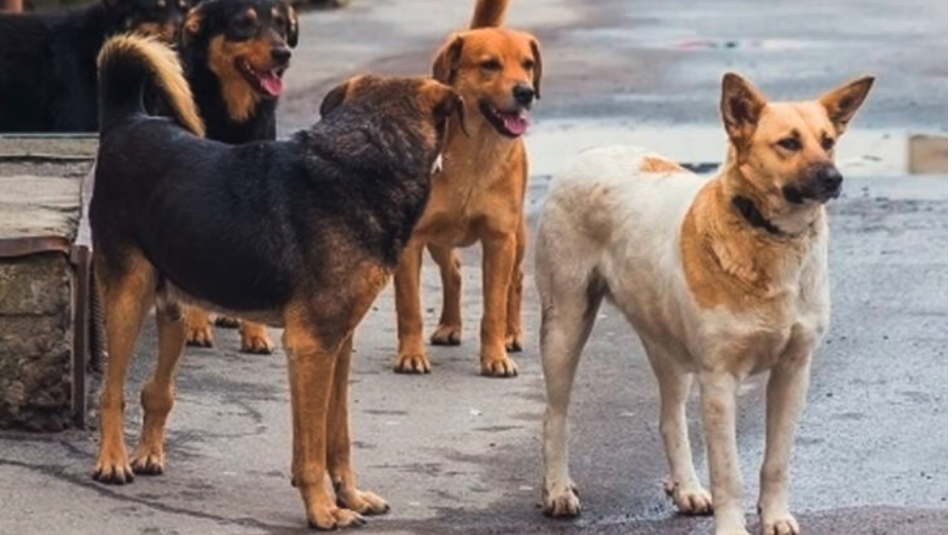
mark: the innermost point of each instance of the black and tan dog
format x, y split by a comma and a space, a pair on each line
235, 54
301, 234
48, 61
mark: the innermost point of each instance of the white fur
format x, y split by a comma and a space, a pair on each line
608, 229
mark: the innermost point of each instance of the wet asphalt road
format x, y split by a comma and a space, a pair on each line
458, 453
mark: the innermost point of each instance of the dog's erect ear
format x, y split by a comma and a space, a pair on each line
841, 103
192, 26
537, 69
335, 98
448, 60
741, 104
293, 27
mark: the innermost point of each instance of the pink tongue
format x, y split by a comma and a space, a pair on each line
516, 124
271, 82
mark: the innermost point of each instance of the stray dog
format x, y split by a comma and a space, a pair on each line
300, 234
235, 54
48, 60
722, 278
479, 195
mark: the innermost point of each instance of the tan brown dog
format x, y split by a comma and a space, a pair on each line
478, 196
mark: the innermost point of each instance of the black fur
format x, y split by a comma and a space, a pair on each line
48, 61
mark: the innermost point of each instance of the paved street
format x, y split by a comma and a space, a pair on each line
454, 452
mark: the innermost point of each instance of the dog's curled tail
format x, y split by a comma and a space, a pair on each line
126, 63
489, 14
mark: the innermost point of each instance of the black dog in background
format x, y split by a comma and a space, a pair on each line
48, 60
235, 54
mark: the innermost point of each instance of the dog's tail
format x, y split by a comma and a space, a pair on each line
126, 63
489, 14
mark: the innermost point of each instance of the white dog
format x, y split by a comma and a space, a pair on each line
722, 278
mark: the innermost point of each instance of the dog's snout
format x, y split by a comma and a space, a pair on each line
829, 177
523, 94
281, 55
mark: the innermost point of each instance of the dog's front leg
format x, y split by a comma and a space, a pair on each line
719, 402
499, 257
786, 391
514, 305
411, 357
339, 463
311, 363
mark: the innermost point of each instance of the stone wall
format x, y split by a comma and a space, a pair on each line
35, 342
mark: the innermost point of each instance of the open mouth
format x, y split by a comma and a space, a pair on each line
265, 83
510, 123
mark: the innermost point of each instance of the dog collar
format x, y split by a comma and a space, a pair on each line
749, 210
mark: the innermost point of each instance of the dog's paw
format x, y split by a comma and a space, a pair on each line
562, 501
364, 502
199, 336
447, 335
779, 524
334, 518
148, 461
499, 367
412, 363
256, 343
113, 469
514, 342
690, 498
227, 322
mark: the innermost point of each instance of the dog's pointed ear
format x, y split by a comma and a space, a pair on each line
335, 98
537, 69
741, 105
192, 27
447, 60
841, 103
293, 26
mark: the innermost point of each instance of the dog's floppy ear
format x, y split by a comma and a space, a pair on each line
841, 103
741, 104
192, 26
537, 69
293, 27
335, 98
451, 103
448, 60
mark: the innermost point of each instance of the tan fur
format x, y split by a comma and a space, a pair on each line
240, 98
656, 164
166, 71
478, 197
489, 14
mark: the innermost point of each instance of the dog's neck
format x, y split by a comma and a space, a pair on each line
481, 150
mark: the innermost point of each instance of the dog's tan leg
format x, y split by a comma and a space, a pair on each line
412, 356
255, 339
158, 394
719, 405
567, 319
514, 304
499, 257
450, 329
674, 385
198, 327
126, 300
786, 391
311, 363
338, 447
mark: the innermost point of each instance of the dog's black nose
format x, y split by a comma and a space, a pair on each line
523, 94
281, 55
830, 178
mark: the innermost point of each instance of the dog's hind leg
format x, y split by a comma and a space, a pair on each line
339, 464
674, 384
568, 313
786, 390
450, 329
514, 304
127, 294
311, 368
158, 393
719, 405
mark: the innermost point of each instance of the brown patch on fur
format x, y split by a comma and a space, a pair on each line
656, 164
489, 14
223, 57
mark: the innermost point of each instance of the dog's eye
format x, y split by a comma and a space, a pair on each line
528, 64
790, 143
491, 65
827, 143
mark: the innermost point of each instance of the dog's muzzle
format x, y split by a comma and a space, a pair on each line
823, 182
